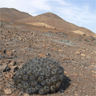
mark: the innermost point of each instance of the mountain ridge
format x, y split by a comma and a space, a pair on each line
12, 14
49, 20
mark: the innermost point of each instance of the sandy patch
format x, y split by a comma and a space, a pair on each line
78, 32
41, 24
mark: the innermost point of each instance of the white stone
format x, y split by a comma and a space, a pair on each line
26, 94
82, 54
7, 91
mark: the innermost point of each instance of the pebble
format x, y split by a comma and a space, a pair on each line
3, 67
7, 68
77, 53
9, 53
20, 94
14, 50
14, 94
3, 51
26, 94
88, 57
8, 85
20, 38
0, 87
65, 58
1, 79
60, 50
12, 63
8, 75
93, 63
20, 66
75, 74
48, 54
7, 91
14, 68
82, 54
1, 57
42, 55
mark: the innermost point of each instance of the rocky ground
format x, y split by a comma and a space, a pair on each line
76, 53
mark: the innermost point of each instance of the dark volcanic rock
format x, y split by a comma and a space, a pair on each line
7, 69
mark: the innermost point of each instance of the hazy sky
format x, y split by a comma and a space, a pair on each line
79, 12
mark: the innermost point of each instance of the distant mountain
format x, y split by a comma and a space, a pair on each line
52, 20
11, 14
48, 19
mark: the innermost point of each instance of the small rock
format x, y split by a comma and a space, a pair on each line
12, 63
7, 43
13, 94
75, 74
3, 67
65, 71
14, 68
8, 75
93, 63
1, 79
42, 55
92, 66
1, 57
88, 57
60, 50
3, 51
75, 62
20, 38
65, 58
12, 83
77, 53
8, 85
82, 54
0, 87
7, 91
7, 69
20, 66
9, 53
48, 54
26, 94
82, 58
14, 50
20, 94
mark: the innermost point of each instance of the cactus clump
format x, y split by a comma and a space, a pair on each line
39, 76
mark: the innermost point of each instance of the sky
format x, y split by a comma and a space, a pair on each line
78, 12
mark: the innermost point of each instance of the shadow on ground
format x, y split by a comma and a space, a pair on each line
65, 84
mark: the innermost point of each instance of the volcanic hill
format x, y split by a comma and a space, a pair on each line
11, 14
49, 20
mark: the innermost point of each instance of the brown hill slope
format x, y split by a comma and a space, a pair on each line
48, 19
11, 14
52, 20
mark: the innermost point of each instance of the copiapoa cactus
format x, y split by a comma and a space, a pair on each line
39, 76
